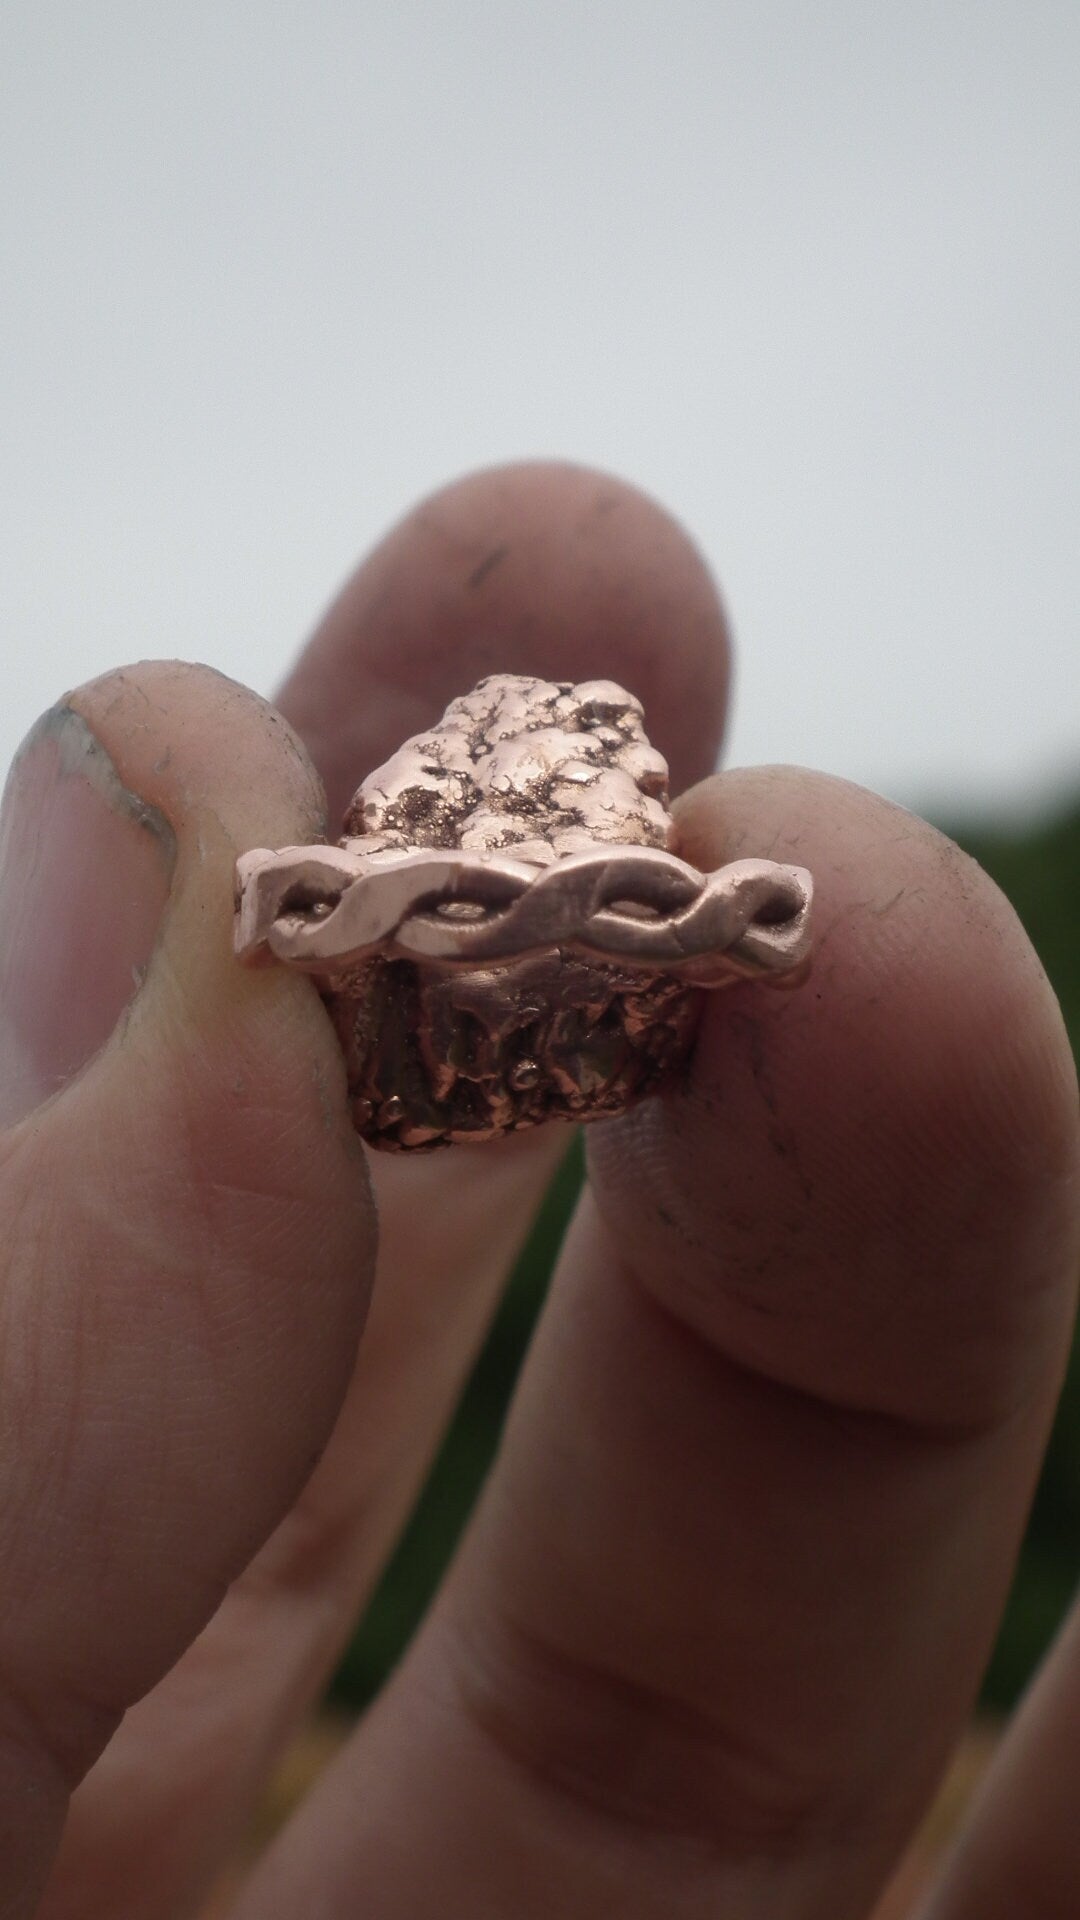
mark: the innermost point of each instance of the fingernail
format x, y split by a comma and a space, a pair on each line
85, 869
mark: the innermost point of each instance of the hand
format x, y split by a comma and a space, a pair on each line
728, 1595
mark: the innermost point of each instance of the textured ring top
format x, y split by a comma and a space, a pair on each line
504, 934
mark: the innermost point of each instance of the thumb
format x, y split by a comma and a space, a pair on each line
186, 1225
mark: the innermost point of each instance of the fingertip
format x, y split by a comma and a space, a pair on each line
194, 744
126, 806
908, 928
537, 567
221, 770
866, 1187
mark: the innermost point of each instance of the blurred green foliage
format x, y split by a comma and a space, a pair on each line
1040, 872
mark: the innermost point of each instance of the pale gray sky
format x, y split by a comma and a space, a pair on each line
808, 272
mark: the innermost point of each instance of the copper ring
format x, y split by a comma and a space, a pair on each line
504, 934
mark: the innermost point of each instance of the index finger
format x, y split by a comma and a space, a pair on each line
549, 570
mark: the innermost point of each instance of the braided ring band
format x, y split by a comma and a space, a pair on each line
504, 935
323, 911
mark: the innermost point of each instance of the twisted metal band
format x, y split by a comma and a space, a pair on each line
326, 910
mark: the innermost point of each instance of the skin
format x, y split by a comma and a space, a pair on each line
726, 1600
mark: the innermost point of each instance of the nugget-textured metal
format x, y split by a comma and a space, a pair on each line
504, 934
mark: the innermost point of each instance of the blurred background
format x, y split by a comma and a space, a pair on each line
810, 274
